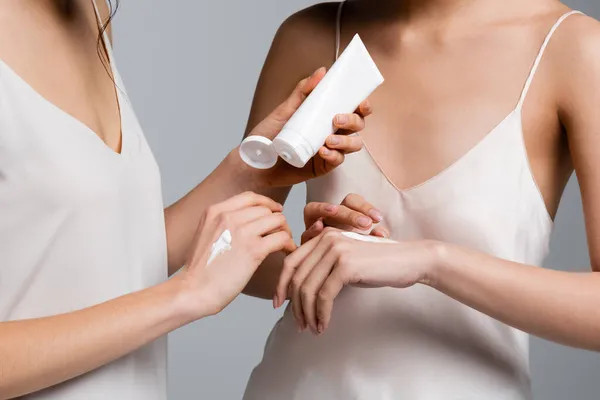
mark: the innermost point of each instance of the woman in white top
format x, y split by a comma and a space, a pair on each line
487, 108
85, 247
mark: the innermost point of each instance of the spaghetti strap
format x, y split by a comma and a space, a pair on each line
538, 59
338, 28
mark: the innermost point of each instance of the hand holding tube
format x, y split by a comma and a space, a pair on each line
330, 155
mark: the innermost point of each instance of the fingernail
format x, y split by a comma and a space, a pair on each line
331, 207
341, 119
364, 222
333, 140
375, 215
320, 329
275, 301
325, 151
381, 233
318, 71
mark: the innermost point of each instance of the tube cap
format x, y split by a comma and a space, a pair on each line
258, 152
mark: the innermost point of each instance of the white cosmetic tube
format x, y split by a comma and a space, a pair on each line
351, 79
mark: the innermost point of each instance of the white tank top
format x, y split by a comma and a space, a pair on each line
79, 225
417, 343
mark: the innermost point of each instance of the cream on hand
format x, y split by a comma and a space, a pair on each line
219, 247
367, 238
351, 79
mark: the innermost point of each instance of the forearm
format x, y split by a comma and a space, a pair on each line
39, 353
558, 306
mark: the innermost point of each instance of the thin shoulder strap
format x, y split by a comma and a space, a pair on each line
338, 28
538, 59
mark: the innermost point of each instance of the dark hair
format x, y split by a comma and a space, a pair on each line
113, 6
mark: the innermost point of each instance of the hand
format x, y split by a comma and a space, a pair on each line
329, 156
258, 229
315, 274
353, 214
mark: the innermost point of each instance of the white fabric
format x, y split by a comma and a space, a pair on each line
79, 225
418, 344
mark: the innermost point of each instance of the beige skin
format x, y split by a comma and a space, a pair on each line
467, 62
57, 55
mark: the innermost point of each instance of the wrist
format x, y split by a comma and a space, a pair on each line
187, 299
437, 260
242, 175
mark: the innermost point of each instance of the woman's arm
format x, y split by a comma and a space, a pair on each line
303, 44
38, 353
555, 305
558, 306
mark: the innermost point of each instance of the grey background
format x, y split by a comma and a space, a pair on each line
190, 67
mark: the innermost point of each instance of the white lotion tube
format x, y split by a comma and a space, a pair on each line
351, 79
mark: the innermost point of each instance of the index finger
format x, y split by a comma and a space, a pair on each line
314, 211
358, 203
291, 263
365, 109
248, 199
295, 100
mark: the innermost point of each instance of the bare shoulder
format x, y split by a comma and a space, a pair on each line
575, 49
303, 43
574, 60
308, 37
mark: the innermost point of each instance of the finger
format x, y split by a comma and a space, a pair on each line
349, 122
285, 227
290, 264
332, 158
365, 109
314, 211
311, 288
246, 215
346, 217
265, 225
380, 231
329, 291
296, 303
302, 272
312, 232
302, 90
245, 200
341, 216
311, 83
358, 203
344, 144
274, 242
